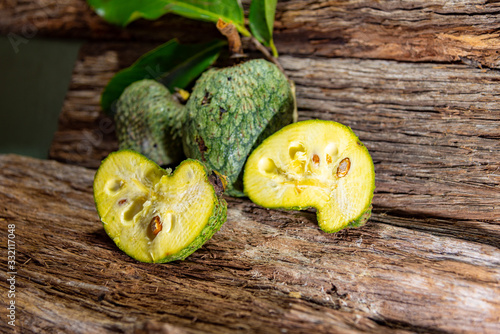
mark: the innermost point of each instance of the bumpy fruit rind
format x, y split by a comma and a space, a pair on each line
230, 111
155, 216
149, 121
316, 163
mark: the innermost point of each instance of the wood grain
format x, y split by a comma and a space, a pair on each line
28, 19
265, 271
417, 30
418, 83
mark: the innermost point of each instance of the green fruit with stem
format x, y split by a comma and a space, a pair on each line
230, 111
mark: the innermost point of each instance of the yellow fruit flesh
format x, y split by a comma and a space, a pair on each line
317, 164
148, 213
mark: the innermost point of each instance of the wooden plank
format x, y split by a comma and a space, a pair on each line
22, 20
428, 260
265, 271
433, 130
417, 30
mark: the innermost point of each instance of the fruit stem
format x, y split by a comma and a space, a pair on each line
267, 54
233, 37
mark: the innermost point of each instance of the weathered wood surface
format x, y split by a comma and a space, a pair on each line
264, 271
417, 30
416, 80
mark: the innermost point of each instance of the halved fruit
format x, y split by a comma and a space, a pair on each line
320, 164
153, 215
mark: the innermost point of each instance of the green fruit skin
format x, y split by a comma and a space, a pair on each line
230, 112
149, 120
217, 219
358, 222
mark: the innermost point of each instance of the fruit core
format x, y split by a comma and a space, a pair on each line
306, 167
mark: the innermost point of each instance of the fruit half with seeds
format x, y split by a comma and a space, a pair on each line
320, 164
153, 215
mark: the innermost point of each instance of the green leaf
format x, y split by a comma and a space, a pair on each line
173, 64
122, 12
261, 19
211, 10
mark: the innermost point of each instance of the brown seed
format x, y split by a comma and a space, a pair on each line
316, 159
343, 168
328, 159
122, 201
155, 225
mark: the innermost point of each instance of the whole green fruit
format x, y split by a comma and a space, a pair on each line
149, 120
231, 111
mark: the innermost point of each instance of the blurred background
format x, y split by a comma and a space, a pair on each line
34, 78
